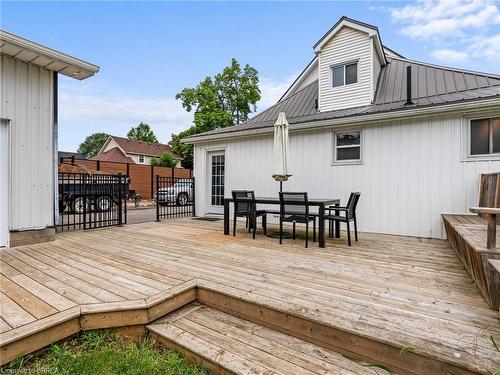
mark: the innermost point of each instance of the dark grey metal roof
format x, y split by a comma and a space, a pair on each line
431, 86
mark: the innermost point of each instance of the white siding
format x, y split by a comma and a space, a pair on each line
309, 78
27, 100
348, 45
412, 171
376, 71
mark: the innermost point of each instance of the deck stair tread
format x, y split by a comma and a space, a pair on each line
238, 346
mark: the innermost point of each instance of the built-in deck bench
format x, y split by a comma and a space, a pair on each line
467, 234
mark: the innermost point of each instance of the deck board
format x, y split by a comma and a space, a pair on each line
401, 290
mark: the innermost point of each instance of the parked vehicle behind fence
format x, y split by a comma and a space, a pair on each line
180, 193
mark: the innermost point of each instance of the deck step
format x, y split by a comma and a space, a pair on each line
226, 344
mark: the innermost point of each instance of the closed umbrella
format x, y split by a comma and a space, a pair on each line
281, 159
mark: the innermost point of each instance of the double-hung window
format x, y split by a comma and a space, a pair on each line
485, 136
347, 147
141, 158
344, 74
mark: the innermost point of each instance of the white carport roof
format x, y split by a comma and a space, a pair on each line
28, 51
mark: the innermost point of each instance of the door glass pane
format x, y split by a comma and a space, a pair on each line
348, 139
479, 137
217, 191
338, 76
495, 123
351, 73
349, 153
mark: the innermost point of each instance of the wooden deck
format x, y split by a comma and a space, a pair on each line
395, 291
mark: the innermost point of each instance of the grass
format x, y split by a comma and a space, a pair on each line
101, 353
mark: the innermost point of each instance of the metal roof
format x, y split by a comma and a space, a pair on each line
432, 85
34, 53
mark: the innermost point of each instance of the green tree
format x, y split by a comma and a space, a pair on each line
92, 144
142, 133
224, 100
165, 160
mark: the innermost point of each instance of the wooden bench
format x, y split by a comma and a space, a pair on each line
467, 235
491, 214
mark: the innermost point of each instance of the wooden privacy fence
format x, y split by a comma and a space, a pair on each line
142, 177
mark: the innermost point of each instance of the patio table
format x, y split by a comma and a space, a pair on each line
322, 205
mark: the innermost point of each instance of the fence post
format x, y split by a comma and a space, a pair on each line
194, 197
128, 169
84, 177
173, 174
157, 198
152, 181
72, 159
120, 199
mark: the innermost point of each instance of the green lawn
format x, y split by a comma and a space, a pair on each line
101, 354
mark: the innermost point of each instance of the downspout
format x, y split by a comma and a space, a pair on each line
55, 115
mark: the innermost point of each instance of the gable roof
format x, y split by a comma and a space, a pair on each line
142, 148
344, 21
34, 53
115, 154
432, 86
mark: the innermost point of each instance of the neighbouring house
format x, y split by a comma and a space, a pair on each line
412, 137
124, 150
28, 136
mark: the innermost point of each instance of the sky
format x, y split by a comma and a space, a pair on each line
149, 51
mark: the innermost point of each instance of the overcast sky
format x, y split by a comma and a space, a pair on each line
149, 51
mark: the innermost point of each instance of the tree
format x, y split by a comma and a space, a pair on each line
165, 160
92, 144
142, 133
224, 100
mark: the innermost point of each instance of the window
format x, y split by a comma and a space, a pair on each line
344, 74
141, 158
485, 136
347, 146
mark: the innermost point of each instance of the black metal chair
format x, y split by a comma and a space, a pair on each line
350, 215
245, 206
294, 208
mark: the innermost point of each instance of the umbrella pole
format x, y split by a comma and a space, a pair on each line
281, 186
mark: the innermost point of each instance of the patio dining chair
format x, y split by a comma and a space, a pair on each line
245, 206
348, 216
294, 208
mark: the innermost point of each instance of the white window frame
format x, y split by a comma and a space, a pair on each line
333, 66
466, 138
334, 148
143, 157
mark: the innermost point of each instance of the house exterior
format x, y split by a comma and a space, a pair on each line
413, 146
124, 150
28, 136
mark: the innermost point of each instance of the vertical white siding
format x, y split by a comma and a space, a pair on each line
27, 100
376, 70
348, 45
412, 171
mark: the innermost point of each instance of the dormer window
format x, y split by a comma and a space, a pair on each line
346, 74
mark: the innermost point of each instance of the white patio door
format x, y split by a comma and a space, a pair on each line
216, 181
4, 182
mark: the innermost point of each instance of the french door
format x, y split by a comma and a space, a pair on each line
216, 180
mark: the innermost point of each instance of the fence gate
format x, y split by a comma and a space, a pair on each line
92, 201
174, 197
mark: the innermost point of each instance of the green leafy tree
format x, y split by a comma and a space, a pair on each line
165, 160
92, 144
224, 100
142, 132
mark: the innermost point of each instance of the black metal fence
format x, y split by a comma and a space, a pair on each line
174, 197
92, 201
